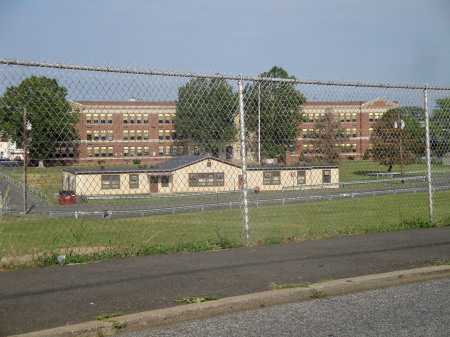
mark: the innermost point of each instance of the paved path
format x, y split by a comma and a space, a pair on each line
418, 309
50, 297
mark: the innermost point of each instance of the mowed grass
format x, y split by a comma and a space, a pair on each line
20, 235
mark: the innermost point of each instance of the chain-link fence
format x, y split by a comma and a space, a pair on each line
100, 162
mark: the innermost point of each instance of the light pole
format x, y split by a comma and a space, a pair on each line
400, 125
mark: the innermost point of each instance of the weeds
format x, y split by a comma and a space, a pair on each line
107, 316
317, 293
197, 299
274, 286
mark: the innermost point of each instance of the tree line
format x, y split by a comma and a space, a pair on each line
207, 114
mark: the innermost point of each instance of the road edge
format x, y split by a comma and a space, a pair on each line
170, 315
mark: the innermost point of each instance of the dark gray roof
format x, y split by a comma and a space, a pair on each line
182, 161
178, 162
289, 167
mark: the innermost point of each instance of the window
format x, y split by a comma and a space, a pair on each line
167, 150
103, 151
125, 151
271, 178
310, 117
305, 133
145, 118
167, 133
109, 119
161, 151
134, 181
174, 134
347, 115
192, 179
354, 133
132, 118
95, 134
125, 118
110, 152
354, 148
326, 176
103, 135
89, 151
167, 119
88, 118
138, 134
89, 134
110, 135
305, 147
139, 151
301, 177
132, 135
96, 152
370, 131
206, 179
196, 151
165, 181
125, 134
95, 118
353, 117
110, 181
139, 118
132, 151
161, 134
145, 134
146, 151
348, 132
342, 116
174, 151
371, 117
103, 119
160, 118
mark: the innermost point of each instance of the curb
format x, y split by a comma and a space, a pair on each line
244, 302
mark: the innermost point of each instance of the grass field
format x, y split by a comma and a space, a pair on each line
22, 235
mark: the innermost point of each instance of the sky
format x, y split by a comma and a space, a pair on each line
388, 41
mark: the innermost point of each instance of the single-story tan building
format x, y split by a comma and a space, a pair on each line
193, 174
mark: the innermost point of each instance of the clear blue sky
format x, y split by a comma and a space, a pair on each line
396, 41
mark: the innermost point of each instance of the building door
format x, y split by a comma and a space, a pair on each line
154, 184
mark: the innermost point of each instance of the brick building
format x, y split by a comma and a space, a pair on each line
356, 119
123, 131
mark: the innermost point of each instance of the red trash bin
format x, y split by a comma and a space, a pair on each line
66, 197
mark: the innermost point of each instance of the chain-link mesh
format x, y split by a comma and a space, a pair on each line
133, 161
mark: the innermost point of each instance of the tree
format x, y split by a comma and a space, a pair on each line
440, 127
206, 113
390, 143
327, 138
279, 103
49, 114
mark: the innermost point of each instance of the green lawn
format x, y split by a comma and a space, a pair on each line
21, 235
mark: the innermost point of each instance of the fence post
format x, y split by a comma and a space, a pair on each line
427, 142
25, 159
244, 162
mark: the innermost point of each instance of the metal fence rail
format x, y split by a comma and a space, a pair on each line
127, 157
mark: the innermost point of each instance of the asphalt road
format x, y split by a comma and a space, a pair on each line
39, 299
418, 309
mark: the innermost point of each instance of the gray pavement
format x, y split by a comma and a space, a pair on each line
32, 300
418, 309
